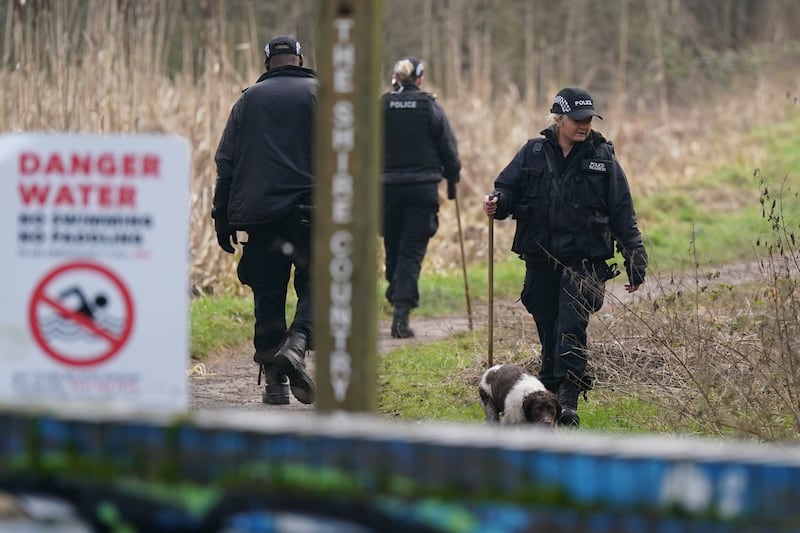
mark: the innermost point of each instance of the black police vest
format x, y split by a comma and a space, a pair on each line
567, 215
408, 137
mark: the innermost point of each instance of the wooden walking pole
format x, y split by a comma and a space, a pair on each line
491, 291
463, 262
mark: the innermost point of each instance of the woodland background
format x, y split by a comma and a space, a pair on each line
678, 81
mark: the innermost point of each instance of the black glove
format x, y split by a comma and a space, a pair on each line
224, 233
607, 271
451, 190
635, 267
224, 238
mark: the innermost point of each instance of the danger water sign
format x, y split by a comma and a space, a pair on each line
96, 305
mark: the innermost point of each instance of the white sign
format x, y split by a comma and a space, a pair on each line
94, 237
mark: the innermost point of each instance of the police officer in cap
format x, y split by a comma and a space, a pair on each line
420, 150
571, 200
264, 188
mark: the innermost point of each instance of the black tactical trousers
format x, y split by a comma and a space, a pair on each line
266, 266
561, 297
409, 221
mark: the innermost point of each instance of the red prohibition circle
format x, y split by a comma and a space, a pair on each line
39, 298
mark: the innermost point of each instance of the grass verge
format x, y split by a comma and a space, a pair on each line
219, 321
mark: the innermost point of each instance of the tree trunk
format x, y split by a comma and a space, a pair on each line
658, 45
621, 73
568, 46
480, 45
454, 17
427, 31
531, 93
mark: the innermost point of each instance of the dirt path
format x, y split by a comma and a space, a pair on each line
229, 378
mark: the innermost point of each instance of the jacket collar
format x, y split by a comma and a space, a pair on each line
288, 70
408, 88
594, 138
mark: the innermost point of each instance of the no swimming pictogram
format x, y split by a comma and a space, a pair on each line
81, 314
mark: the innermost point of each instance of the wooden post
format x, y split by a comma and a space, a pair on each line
348, 161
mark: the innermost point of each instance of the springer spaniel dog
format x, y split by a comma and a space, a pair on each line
510, 395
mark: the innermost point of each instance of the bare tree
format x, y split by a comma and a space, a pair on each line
531, 59
454, 31
621, 74
655, 7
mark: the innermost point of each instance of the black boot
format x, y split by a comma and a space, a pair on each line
276, 390
290, 361
400, 327
568, 398
265, 356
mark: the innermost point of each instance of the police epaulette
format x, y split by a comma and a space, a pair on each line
537, 144
600, 151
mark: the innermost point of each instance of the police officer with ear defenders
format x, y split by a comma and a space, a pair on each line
572, 203
264, 188
420, 149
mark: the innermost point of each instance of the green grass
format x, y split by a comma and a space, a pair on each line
715, 224
677, 245
218, 322
426, 382
780, 141
611, 412
439, 382
719, 216
443, 294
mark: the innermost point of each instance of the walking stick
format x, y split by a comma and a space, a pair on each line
463, 261
491, 290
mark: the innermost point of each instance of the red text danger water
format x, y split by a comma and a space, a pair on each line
80, 180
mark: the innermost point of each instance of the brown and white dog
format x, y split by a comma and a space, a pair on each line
510, 395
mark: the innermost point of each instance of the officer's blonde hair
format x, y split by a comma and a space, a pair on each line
404, 71
552, 120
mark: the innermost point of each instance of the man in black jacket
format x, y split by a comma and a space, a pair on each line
264, 187
420, 149
572, 203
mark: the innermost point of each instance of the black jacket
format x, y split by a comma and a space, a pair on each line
419, 144
264, 158
571, 208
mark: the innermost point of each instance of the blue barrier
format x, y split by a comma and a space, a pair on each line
203, 471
